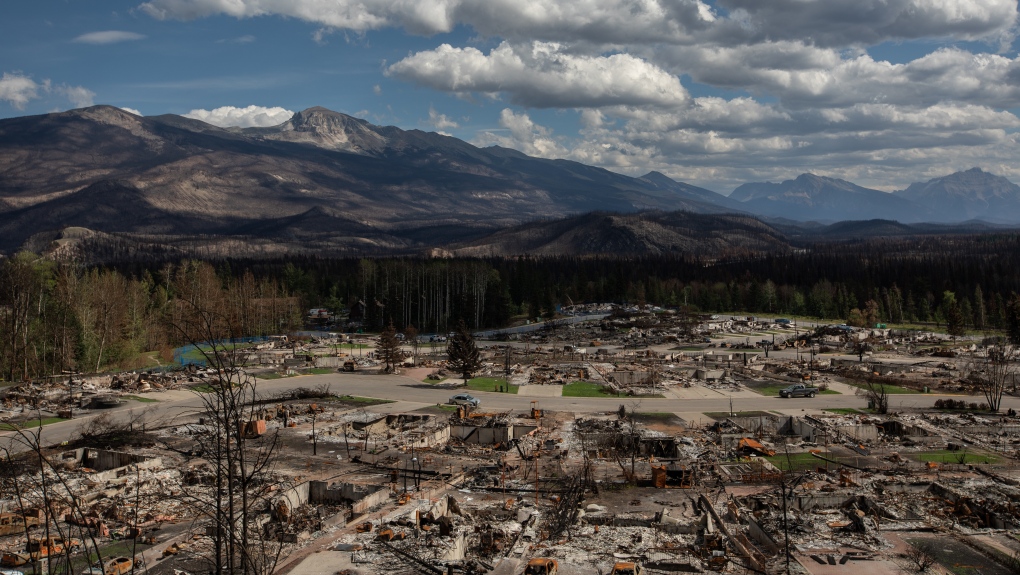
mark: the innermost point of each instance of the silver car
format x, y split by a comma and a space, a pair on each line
464, 399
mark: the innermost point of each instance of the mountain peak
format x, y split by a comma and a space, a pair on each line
658, 178
972, 194
325, 128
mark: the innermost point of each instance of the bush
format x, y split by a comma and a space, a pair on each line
960, 405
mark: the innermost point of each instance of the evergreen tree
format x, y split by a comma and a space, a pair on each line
462, 353
389, 347
1013, 319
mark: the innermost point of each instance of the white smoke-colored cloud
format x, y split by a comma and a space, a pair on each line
79, 96
541, 75
18, 90
248, 117
825, 22
108, 37
441, 121
521, 133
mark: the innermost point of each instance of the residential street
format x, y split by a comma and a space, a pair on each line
183, 406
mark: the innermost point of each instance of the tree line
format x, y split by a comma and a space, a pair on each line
56, 318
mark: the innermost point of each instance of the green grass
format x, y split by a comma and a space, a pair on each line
122, 548
796, 461
141, 399
773, 390
584, 389
890, 389
844, 410
199, 352
946, 456
30, 424
657, 417
319, 371
489, 384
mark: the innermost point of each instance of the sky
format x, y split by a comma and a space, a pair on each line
715, 93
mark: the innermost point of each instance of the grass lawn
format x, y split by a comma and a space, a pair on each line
890, 389
319, 371
198, 353
796, 461
122, 548
946, 456
141, 398
489, 384
584, 389
844, 410
773, 390
657, 417
30, 424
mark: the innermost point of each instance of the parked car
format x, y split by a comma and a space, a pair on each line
464, 399
798, 390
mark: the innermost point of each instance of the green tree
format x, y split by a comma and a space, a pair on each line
1013, 319
954, 316
389, 347
980, 314
462, 353
871, 314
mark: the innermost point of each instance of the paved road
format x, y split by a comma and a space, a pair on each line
182, 406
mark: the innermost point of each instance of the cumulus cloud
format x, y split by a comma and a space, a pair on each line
867, 22
131, 110
802, 75
521, 133
79, 96
108, 37
18, 89
635, 21
540, 75
249, 117
441, 121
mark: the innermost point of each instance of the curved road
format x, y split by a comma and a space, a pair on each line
181, 406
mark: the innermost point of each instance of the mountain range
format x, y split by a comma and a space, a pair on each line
327, 182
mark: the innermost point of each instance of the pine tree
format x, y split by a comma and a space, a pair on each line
389, 347
462, 353
1013, 319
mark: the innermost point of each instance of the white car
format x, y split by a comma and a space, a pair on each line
464, 399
